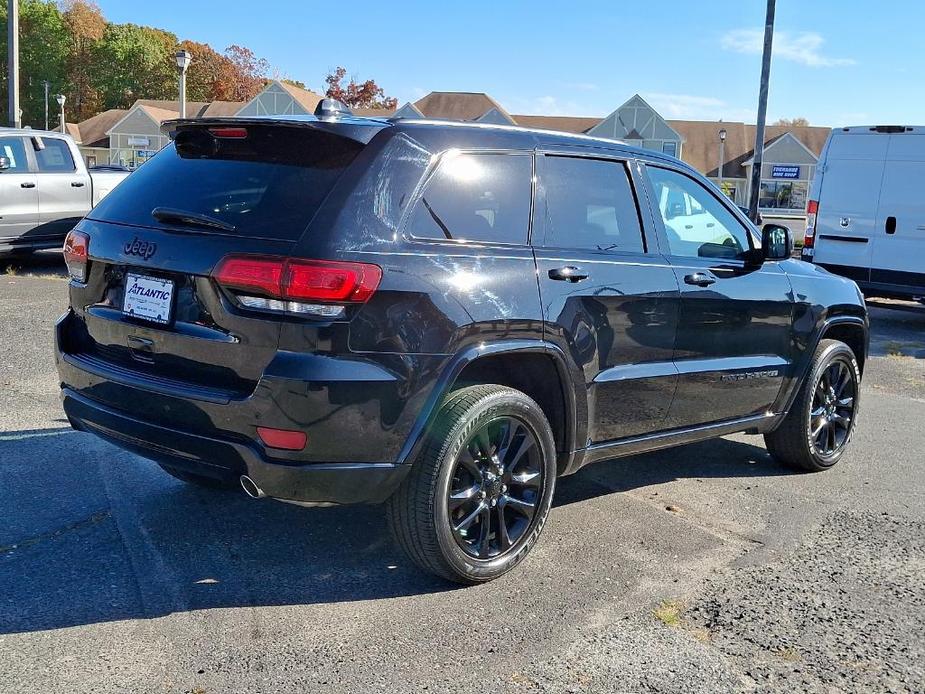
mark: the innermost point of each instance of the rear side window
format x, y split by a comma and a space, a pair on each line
13, 149
55, 157
476, 197
268, 184
589, 204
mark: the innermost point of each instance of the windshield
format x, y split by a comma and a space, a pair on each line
267, 184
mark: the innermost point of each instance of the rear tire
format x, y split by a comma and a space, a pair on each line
817, 429
198, 480
475, 502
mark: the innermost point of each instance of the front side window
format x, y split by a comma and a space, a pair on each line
55, 157
697, 224
476, 197
589, 204
14, 151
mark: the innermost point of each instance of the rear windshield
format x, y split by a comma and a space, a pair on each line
267, 184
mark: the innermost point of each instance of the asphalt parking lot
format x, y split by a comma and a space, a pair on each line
707, 568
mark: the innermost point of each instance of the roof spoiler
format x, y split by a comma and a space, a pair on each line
360, 130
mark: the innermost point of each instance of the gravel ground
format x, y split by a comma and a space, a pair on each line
707, 568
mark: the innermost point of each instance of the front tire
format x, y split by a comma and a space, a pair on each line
475, 502
817, 430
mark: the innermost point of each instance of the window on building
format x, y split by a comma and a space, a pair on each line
55, 157
697, 224
14, 149
589, 204
476, 197
670, 148
783, 195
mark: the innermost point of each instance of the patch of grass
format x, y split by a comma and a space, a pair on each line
894, 349
11, 270
669, 612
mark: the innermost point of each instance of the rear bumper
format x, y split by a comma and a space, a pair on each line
338, 483
352, 454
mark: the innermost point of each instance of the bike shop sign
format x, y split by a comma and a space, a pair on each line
785, 171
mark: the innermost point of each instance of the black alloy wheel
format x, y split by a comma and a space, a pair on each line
833, 408
817, 429
495, 488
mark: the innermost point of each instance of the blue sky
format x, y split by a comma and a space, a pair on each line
835, 63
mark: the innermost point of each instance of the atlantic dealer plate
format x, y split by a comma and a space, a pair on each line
146, 297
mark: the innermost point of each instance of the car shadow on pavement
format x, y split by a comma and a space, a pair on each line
707, 459
94, 534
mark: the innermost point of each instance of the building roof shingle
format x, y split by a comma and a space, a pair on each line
457, 105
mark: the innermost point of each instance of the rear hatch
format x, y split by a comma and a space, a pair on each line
149, 308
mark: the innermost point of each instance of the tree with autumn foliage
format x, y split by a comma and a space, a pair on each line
356, 94
85, 29
99, 65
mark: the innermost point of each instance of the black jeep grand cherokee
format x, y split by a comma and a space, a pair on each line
443, 317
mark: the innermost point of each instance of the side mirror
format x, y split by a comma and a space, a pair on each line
776, 242
5, 163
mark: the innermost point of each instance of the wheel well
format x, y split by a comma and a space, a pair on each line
535, 375
853, 336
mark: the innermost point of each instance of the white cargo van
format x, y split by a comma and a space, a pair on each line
866, 211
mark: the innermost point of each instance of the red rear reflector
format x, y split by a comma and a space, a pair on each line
812, 207
282, 438
229, 133
300, 280
76, 253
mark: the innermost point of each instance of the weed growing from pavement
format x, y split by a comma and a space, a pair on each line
669, 612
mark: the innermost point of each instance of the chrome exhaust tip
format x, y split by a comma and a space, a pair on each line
250, 488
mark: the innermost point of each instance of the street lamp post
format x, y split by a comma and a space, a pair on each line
755, 183
61, 99
47, 85
184, 58
722, 156
12, 43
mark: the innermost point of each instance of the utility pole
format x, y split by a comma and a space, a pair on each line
13, 61
755, 188
47, 85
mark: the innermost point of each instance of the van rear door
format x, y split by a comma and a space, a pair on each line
846, 221
898, 253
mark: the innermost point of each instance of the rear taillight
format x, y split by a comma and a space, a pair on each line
812, 211
308, 287
76, 254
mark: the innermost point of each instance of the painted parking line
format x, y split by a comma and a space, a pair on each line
35, 435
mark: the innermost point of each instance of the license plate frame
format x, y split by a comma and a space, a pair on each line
152, 302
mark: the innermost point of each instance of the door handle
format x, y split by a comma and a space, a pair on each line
27, 185
699, 279
77, 184
891, 225
569, 273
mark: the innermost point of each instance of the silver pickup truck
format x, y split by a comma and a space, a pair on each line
45, 189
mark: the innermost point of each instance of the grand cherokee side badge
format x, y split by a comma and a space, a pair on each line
771, 373
136, 246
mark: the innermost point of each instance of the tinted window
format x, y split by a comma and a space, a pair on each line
476, 197
268, 184
14, 150
55, 157
589, 204
696, 222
